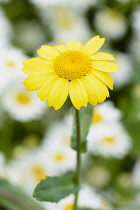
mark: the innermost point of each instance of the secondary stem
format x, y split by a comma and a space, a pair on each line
78, 168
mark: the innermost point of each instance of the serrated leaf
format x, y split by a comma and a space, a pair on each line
12, 198
53, 189
85, 122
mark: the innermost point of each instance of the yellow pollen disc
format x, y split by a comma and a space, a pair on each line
59, 157
109, 140
72, 65
23, 98
69, 207
10, 64
39, 173
97, 118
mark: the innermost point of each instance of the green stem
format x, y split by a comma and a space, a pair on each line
78, 168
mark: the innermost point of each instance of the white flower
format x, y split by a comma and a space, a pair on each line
29, 171
56, 145
105, 113
110, 23
5, 30
60, 158
21, 104
11, 62
124, 74
87, 198
109, 140
29, 35
42, 3
67, 24
66, 203
82, 4
60, 133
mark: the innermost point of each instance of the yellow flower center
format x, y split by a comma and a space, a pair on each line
109, 140
72, 65
59, 157
10, 64
23, 98
39, 173
68, 207
97, 118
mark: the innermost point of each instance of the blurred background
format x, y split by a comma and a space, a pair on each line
35, 139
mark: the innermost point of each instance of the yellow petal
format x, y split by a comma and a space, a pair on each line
104, 77
105, 66
102, 56
61, 48
35, 82
59, 93
36, 65
48, 52
96, 90
73, 45
44, 91
78, 94
93, 45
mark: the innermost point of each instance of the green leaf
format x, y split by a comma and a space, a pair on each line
12, 198
53, 189
85, 122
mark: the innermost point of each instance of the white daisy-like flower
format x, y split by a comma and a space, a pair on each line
29, 35
60, 133
60, 158
66, 203
105, 113
42, 3
124, 74
67, 24
29, 171
87, 198
109, 140
82, 4
5, 30
21, 104
11, 62
49, 205
110, 23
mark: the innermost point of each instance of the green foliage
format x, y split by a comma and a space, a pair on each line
85, 122
53, 189
12, 198
84, 208
128, 208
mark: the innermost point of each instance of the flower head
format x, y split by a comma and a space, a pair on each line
71, 69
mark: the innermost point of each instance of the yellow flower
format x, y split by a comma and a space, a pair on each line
72, 69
